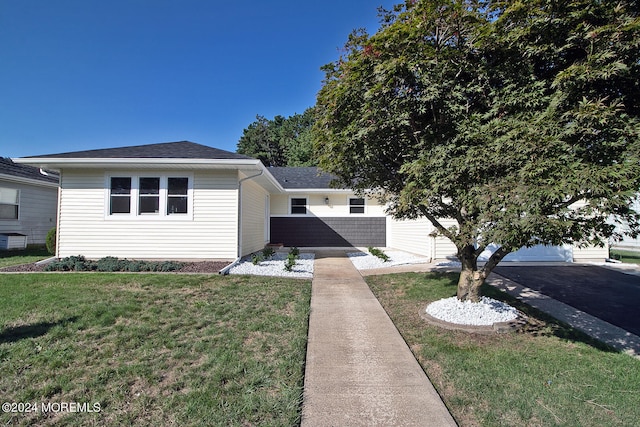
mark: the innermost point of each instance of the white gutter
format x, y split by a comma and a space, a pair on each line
97, 161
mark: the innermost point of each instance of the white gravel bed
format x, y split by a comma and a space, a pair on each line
485, 312
275, 266
366, 261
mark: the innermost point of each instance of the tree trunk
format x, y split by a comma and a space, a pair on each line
471, 278
469, 285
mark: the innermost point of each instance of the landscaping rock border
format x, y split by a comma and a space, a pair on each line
498, 327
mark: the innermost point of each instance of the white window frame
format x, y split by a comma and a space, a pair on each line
306, 205
141, 196
162, 214
175, 196
364, 205
17, 204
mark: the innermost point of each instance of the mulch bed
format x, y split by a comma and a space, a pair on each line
203, 267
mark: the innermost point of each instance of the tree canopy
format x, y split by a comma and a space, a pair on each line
280, 141
519, 120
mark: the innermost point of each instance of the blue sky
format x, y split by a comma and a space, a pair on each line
85, 74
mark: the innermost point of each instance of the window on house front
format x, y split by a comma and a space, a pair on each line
158, 196
149, 196
120, 199
299, 206
356, 205
177, 195
9, 203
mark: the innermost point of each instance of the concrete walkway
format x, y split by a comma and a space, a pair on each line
359, 370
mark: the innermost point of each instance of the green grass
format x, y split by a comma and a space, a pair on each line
629, 257
545, 375
30, 255
154, 349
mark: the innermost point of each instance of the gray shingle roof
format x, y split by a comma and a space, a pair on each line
166, 150
301, 177
8, 167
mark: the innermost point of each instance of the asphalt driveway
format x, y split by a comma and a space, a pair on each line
609, 295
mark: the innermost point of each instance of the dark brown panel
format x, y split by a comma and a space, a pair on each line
342, 231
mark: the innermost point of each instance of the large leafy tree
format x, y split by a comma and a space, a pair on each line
281, 141
518, 120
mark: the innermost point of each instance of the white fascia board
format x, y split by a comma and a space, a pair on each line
60, 163
271, 178
317, 190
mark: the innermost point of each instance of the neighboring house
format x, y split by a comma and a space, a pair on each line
183, 200
28, 204
627, 242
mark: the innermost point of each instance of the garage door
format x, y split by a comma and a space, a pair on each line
535, 253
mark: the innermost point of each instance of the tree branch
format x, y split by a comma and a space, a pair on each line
444, 231
494, 259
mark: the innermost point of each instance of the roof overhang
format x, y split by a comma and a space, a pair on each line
318, 190
30, 181
57, 163
247, 167
262, 176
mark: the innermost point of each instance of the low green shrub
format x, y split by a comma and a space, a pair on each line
167, 266
72, 263
378, 253
290, 262
263, 255
294, 253
111, 264
268, 252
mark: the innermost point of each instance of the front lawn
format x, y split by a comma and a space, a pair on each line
548, 374
154, 349
27, 256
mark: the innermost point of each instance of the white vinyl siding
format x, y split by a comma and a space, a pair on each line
337, 206
211, 233
37, 211
253, 221
443, 248
590, 253
411, 236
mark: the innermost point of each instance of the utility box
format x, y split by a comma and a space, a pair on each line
12, 241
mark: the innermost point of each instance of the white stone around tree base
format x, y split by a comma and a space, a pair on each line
485, 312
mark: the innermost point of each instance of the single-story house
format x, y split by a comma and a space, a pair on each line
28, 204
182, 200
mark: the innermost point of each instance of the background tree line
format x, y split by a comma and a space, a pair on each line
281, 141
